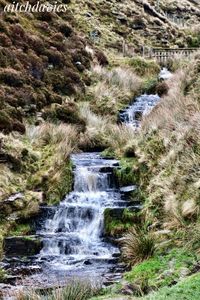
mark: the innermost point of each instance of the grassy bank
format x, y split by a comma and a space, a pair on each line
163, 158
37, 167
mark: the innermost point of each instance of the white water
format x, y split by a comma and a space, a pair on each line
165, 74
142, 106
74, 234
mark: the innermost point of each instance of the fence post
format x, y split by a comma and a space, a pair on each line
158, 4
124, 47
143, 51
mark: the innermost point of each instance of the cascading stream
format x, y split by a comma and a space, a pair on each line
142, 105
75, 234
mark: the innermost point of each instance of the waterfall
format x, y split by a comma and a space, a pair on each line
75, 233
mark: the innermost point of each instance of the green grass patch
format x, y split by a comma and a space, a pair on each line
188, 289
161, 271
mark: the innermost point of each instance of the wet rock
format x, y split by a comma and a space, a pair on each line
117, 213
22, 246
45, 212
116, 164
26, 270
11, 279
131, 289
106, 170
138, 115
87, 262
112, 278
107, 283
116, 255
112, 261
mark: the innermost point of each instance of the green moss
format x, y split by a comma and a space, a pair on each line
20, 229
2, 274
161, 270
193, 41
108, 153
127, 174
117, 224
150, 85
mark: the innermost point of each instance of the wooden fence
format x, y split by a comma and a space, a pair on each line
164, 54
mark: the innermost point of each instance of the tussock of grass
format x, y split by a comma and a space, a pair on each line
121, 77
143, 67
137, 245
114, 89
101, 131
62, 137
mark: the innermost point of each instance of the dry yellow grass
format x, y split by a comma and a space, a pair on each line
113, 89
63, 138
121, 77
101, 130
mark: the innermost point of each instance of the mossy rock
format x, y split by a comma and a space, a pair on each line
22, 246
118, 221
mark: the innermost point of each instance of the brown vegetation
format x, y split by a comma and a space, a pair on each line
40, 62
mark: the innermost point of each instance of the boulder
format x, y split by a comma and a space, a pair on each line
22, 246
